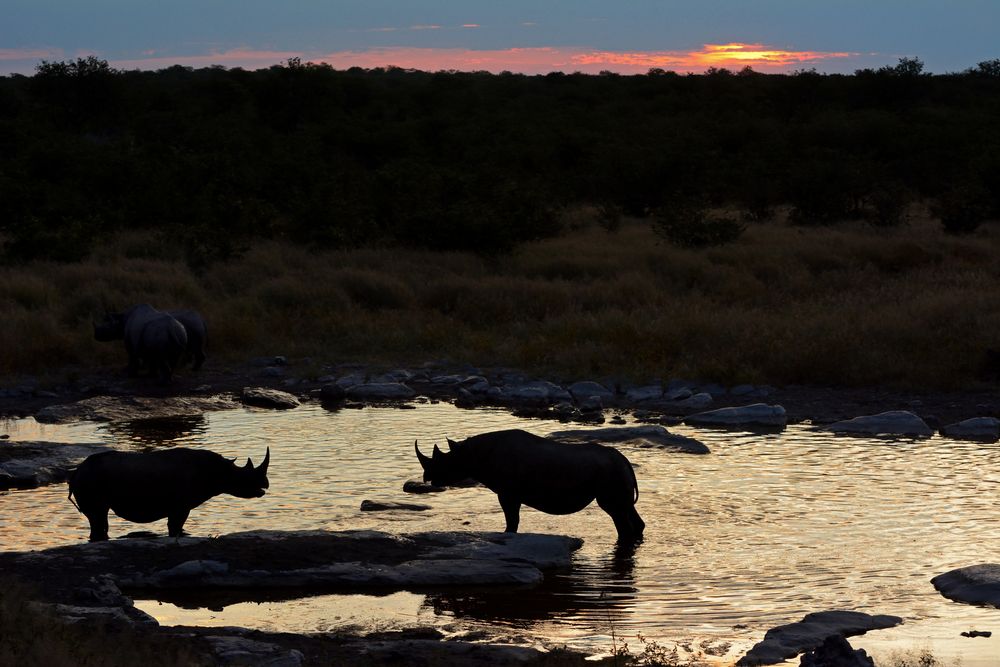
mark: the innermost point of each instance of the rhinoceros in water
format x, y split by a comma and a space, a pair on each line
553, 477
148, 486
151, 337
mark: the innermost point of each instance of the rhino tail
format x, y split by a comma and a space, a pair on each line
70, 496
635, 484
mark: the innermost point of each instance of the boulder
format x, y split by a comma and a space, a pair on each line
539, 391
380, 391
651, 392
757, 414
642, 436
742, 390
787, 641
476, 385
975, 584
894, 422
262, 397
679, 394
984, 429
581, 391
694, 402
398, 375
591, 404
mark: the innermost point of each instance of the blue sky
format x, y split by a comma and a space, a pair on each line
541, 35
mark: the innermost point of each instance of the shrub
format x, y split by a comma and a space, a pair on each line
688, 225
962, 208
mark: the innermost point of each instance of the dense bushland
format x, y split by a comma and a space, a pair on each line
213, 159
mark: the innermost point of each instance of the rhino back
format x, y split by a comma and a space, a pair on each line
551, 476
136, 319
145, 487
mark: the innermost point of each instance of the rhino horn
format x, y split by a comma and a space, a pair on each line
424, 460
267, 459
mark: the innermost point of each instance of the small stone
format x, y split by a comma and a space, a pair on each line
375, 506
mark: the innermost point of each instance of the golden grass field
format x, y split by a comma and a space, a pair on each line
851, 305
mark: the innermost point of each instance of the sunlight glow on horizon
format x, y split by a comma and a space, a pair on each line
526, 60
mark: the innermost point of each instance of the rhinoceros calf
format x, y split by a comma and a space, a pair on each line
197, 331
151, 337
145, 487
552, 477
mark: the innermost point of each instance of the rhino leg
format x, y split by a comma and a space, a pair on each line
511, 511
199, 359
98, 518
175, 522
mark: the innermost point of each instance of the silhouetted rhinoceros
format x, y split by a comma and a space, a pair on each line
151, 337
553, 477
149, 486
197, 331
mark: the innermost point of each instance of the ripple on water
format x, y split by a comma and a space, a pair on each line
764, 530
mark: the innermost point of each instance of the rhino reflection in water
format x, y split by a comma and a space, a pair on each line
145, 487
552, 477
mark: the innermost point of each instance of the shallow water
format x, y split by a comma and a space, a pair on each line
762, 531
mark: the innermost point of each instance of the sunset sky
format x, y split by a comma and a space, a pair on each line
523, 36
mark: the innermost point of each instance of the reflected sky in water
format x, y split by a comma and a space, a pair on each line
762, 531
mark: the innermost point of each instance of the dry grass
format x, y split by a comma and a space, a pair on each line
844, 305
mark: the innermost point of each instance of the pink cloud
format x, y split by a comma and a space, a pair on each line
533, 60
30, 54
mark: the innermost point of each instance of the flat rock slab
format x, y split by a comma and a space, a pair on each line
252, 653
130, 408
388, 505
380, 391
467, 654
299, 559
894, 422
26, 465
982, 429
787, 641
261, 397
975, 584
642, 436
758, 414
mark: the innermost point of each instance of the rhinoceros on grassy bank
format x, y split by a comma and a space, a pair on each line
197, 332
148, 486
552, 477
151, 337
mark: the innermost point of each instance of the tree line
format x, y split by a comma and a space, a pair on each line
214, 158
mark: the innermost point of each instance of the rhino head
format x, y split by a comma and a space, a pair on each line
110, 327
441, 469
248, 481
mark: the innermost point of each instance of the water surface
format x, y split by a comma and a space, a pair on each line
767, 528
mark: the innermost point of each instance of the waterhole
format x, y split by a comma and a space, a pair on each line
765, 529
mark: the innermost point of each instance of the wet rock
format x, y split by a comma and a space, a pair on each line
977, 633
332, 392
272, 372
975, 584
129, 408
712, 389
476, 384
376, 506
648, 393
591, 404
118, 616
27, 465
349, 380
758, 414
742, 390
894, 422
677, 394
695, 402
396, 376
447, 380
380, 391
617, 419
540, 391
465, 399
417, 486
261, 362
787, 641
252, 653
643, 436
836, 651
983, 429
452, 652
581, 391
262, 397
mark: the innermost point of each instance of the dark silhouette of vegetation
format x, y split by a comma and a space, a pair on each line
213, 159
